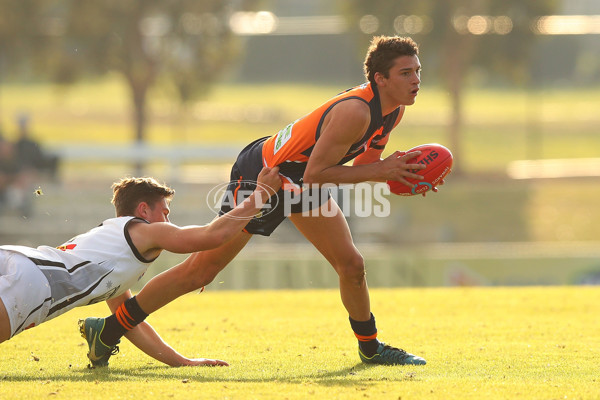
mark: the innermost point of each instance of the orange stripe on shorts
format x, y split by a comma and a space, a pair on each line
236, 190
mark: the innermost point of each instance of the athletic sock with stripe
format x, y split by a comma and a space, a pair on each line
126, 317
366, 333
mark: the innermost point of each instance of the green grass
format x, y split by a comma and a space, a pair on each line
480, 343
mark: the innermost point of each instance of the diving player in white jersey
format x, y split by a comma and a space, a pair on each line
38, 284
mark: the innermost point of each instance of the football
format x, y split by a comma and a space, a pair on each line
438, 162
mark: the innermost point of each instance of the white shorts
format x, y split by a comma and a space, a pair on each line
24, 290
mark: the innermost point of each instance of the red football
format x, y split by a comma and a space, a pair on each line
438, 160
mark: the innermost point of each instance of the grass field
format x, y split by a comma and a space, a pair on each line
480, 343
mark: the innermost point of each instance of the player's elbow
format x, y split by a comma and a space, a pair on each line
310, 178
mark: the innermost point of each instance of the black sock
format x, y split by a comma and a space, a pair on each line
366, 333
127, 316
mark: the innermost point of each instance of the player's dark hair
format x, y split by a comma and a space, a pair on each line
129, 192
383, 51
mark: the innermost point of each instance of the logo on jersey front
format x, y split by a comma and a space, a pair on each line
282, 137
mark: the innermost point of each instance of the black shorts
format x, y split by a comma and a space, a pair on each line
243, 181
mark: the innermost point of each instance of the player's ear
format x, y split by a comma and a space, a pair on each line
379, 78
143, 210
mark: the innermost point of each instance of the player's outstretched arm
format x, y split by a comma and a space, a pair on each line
145, 338
189, 239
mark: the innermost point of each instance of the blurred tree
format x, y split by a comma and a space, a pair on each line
27, 31
184, 43
457, 36
24, 32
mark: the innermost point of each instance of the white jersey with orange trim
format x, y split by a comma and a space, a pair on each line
93, 266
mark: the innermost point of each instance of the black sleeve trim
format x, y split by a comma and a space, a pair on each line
130, 242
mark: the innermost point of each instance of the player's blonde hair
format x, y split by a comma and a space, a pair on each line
383, 51
129, 192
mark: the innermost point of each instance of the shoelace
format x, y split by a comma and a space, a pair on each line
396, 353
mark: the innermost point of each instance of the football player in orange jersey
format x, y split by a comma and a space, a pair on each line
354, 125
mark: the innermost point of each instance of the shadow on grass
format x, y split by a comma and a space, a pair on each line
339, 377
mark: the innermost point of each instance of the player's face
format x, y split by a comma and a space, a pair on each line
403, 81
159, 212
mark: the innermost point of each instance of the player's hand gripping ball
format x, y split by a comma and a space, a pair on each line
438, 162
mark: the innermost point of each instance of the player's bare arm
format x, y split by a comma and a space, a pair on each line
145, 338
344, 126
369, 157
394, 165
151, 239
374, 155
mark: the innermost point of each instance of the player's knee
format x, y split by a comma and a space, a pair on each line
352, 268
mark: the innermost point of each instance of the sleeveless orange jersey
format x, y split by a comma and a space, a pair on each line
291, 147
